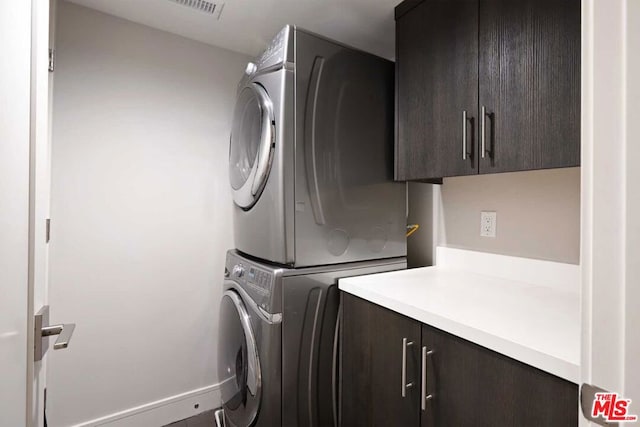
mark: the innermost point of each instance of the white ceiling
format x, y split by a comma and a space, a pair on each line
248, 25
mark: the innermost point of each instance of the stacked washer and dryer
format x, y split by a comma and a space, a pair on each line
311, 171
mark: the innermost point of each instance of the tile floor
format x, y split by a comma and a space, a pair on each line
205, 419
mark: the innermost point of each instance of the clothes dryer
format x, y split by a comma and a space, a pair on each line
311, 155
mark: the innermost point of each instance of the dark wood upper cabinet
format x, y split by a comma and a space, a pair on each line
437, 80
530, 84
516, 61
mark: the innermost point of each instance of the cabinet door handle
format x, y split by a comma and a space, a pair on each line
405, 343
483, 132
424, 396
464, 134
466, 153
483, 135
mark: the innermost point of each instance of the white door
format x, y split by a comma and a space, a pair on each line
24, 206
611, 207
15, 39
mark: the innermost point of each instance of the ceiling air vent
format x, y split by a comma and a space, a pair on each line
199, 5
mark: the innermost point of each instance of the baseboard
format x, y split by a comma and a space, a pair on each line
163, 411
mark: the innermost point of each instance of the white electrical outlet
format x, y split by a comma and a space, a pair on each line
488, 224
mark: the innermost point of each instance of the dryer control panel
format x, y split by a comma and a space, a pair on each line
276, 52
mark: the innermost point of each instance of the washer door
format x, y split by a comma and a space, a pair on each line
252, 144
238, 362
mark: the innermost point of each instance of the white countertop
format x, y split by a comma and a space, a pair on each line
510, 312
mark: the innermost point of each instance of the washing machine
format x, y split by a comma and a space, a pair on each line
311, 155
278, 341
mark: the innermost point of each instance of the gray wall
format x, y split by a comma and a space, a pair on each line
420, 245
141, 212
538, 214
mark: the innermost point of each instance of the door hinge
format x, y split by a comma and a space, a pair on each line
52, 59
47, 232
44, 409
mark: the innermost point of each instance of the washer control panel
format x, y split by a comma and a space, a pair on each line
257, 282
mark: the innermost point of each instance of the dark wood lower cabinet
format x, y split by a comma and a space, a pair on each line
371, 366
473, 386
469, 384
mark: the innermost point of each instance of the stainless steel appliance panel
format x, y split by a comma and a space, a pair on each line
265, 229
347, 207
310, 340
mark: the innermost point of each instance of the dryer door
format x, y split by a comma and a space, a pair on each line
252, 144
238, 362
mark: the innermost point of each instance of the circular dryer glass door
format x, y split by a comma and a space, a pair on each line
238, 362
252, 143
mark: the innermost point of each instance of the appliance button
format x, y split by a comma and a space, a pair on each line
238, 270
251, 68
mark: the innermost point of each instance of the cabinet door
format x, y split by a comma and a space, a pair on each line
473, 386
437, 79
530, 84
371, 366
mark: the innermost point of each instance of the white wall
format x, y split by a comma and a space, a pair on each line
420, 245
538, 215
141, 218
